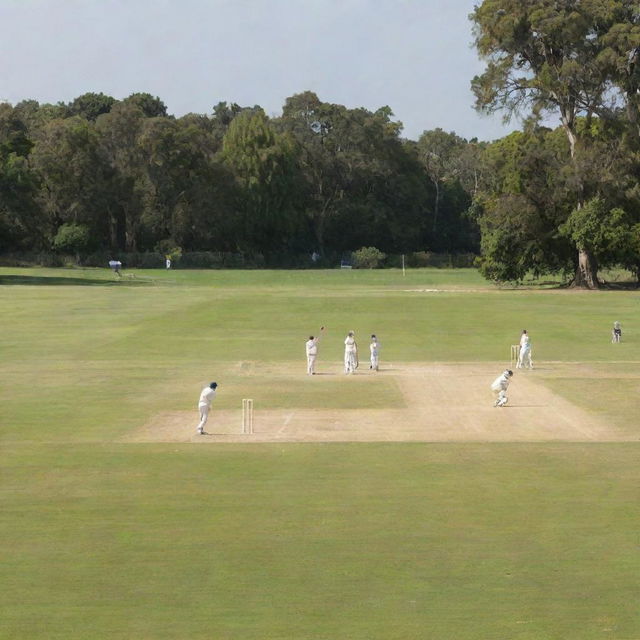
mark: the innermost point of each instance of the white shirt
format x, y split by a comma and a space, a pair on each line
501, 382
524, 340
374, 348
312, 347
350, 343
207, 396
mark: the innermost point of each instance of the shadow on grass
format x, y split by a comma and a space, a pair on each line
52, 281
621, 286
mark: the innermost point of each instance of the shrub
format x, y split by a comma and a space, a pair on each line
368, 258
71, 238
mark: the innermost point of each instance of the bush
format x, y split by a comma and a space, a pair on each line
368, 258
71, 238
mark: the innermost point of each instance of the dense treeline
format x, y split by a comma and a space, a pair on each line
103, 175
113, 177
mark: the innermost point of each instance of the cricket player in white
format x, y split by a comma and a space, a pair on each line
373, 348
311, 347
616, 332
350, 353
204, 404
524, 359
499, 388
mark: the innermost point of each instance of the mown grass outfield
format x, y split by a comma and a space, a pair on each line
101, 538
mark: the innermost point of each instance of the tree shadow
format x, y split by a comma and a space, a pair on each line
621, 286
52, 281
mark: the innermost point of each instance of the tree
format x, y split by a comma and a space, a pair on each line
72, 238
151, 107
119, 146
521, 201
263, 162
73, 175
545, 57
439, 152
20, 224
191, 192
90, 105
605, 233
360, 184
621, 56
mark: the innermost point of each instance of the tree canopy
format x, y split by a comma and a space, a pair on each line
101, 175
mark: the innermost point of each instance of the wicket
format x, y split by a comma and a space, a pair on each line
247, 415
515, 354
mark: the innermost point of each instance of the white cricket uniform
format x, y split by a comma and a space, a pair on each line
525, 353
204, 404
373, 347
499, 388
311, 347
616, 333
350, 354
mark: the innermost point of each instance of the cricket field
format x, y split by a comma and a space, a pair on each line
390, 505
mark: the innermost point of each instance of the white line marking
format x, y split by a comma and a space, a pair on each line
286, 422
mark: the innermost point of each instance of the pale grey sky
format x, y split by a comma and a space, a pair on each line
413, 55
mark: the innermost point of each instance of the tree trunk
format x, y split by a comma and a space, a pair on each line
436, 208
587, 271
113, 231
130, 229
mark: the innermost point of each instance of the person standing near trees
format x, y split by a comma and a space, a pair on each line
311, 347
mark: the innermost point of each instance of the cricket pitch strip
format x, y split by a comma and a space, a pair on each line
443, 403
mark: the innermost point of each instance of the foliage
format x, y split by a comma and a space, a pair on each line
577, 61
322, 178
604, 232
73, 238
90, 105
169, 249
151, 106
368, 258
564, 59
264, 164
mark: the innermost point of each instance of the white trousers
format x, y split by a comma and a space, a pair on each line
374, 361
524, 361
203, 409
349, 361
500, 397
311, 364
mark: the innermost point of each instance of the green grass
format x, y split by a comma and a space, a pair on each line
361, 541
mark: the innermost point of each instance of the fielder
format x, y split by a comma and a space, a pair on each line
311, 347
204, 404
373, 348
616, 332
524, 360
499, 388
350, 353
115, 266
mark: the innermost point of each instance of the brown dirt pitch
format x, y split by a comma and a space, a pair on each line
443, 403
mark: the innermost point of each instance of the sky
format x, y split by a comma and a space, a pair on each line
416, 56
